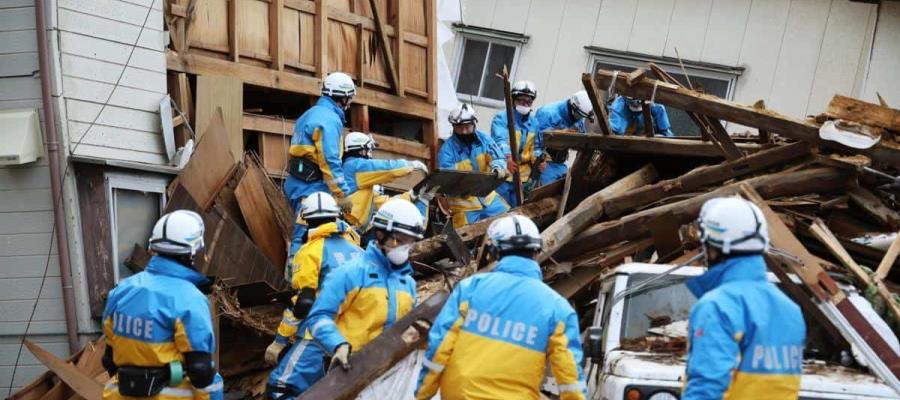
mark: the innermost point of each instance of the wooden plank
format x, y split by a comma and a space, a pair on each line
729, 149
706, 176
210, 166
259, 216
359, 117
180, 90
873, 207
402, 14
585, 274
273, 150
379, 355
389, 60
648, 120
689, 100
234, 29
431, 50
635, 76
276, 47
284, 80
321, 39
884, 267
83, 384
639, 145
563, 230
95, 228
634, 226
865, 113
431, 248
280, 126
564, 198
600, 113
225, 93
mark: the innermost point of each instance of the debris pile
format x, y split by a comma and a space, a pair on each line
826, 185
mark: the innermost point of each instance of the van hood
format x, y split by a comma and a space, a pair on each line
818, 379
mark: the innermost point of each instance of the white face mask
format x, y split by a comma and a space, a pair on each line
524, 110
399, 255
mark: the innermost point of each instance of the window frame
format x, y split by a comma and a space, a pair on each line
720, 72
491, 36
134, 182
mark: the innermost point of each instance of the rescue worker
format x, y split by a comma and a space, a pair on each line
626, 117
528, 139
470, 149
498, 330
745, 337
331, 244
316, 147
356, 302
157, 324
563, 114
363, 174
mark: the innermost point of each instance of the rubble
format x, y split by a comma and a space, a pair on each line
629, 201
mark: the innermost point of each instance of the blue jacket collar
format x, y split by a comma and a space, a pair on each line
161, 265
520, 266
374, 253
564, 114
741, 268
328, 102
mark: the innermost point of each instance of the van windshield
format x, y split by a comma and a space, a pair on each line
665, 299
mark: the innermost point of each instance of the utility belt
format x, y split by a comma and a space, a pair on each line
304, 169
149, 381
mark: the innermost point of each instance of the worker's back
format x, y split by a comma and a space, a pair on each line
513, 323
741, 311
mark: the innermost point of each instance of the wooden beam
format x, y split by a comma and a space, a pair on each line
80, 382
884, 267
701, 123
377, 357
586, 273
390, 62
564, 229
400, 48
729, 149
600, 113
234, 29
705, 176
689, 100
648, 120
320, 39
873, 207
431, 50
276, 47
863, 112
281, 126
635, 76
764, 135
430, 249
639, 145
259, 76
634, 226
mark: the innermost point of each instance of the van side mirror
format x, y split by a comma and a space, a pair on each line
595, 343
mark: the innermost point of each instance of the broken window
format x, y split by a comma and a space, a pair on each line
718, 80
135, 203
482, 54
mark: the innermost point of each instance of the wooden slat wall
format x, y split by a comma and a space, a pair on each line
209, 32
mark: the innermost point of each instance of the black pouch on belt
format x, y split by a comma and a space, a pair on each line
304, 170
142, 382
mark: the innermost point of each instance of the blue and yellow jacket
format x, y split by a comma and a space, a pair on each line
358, 301
328, 247
624, 121
152, 318
482, 155
319, 137
529, 149
495, 334
362, 174
557, 116
745, 337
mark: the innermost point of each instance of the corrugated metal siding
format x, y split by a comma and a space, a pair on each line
29, 269
796, 53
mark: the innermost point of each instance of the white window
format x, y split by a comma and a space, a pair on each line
135, 203
481, 54
714, 79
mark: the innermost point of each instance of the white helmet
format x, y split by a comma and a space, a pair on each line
399, 215
358, 141
179, 233
514, 232
319, 205
734, 226
338, 84
581, 104
462, 114
524, 88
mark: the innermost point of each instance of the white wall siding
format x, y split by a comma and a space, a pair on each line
796, 54
96, 39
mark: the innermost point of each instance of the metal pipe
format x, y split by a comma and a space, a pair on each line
59, 215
